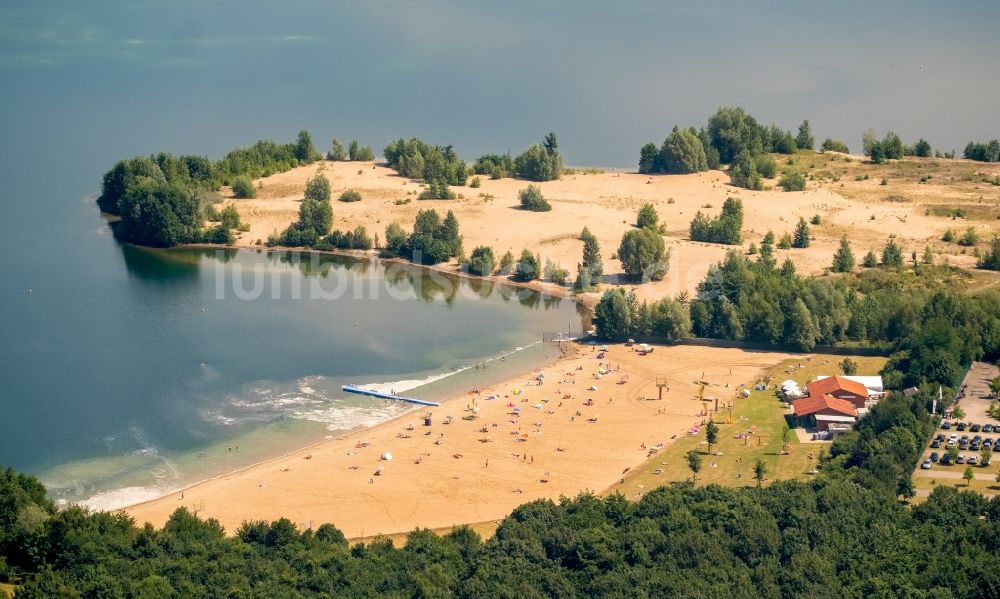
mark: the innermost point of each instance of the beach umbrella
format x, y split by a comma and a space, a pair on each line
387, 456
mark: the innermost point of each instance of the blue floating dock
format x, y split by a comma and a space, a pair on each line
380, 395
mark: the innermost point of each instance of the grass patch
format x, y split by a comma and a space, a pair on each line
485, 530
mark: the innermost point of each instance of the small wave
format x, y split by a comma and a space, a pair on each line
410, 384
340, 417
116, 499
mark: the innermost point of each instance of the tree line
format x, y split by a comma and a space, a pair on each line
163, 200
842, 534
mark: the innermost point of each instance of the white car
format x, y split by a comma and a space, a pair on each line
926, 465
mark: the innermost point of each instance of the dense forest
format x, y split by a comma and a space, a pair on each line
844, 534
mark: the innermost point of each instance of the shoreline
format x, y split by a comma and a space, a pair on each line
528, 442
339, 437
587, 300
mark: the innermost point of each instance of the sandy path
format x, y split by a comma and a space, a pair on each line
426, 485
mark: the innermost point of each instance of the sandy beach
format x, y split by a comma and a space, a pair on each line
606, 202
573, 433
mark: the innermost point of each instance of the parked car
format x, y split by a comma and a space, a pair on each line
961, 426
971, 461
988, 428
988, 442
996, 446
953, 438
926, 465
946, 425
935, 444
945, 460
960, 459
975, 428
974, 446
934, 456
939, 437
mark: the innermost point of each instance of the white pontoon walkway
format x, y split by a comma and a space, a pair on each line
379, 394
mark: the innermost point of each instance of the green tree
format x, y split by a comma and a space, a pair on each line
785, 243
922, 148
892, 255
968, 475
584, 281
528, 267
743, 171
985, 455
694, 463
540, 162
928, 257
760, 472
711, 435
506, 267
870, 261
669, 320
848, 366
482, 262
995, 387
731, 131
395, 240
230, 217
531, 199
243, 188
804, 140
613, 317
318, 188
682, 152
726, 228
304, 150
337, 151
766, 166
990, 259
643, 256
647, 217
905, 487
649, 159
803, 331
354, 150
592, 256
843, 260
766, 256
801, 237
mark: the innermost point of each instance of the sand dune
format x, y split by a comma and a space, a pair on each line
607, 203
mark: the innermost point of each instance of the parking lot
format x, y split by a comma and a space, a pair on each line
958, 444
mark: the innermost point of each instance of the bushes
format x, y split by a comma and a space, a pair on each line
482, 261
437, 190
991, 259
357, 152
743, 171
988, 152
350, 195
495, 165
793, 181
766, 166
432, 241
243, 188
436, 165
619, 316
358, 239
643, 256
834, 145
725, 228
531, 199
540, 162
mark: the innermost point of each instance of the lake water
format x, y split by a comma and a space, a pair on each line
157, 368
